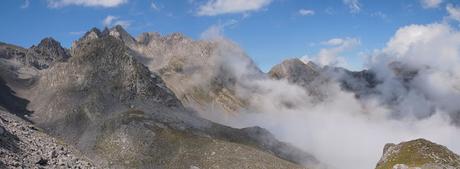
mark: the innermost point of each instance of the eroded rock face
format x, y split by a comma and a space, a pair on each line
194, 70
418, 154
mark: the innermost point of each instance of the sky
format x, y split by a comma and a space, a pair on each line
268, 30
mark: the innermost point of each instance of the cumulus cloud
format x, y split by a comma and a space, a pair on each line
110, 21
87, 3
306, 12
454, 12
430, 3
218, 7
353, 5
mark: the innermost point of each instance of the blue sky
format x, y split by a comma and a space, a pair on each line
268, 30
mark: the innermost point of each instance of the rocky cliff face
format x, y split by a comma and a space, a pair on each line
418, 154
194, 70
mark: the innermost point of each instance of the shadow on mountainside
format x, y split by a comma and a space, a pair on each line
12, 103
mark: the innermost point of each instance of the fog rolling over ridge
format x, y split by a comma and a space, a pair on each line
341, 121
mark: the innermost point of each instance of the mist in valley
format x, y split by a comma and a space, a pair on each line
416, 97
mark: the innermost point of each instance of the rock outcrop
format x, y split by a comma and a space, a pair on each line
418, 154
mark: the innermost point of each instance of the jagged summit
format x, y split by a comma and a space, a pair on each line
296, 71
41, 56
119, 32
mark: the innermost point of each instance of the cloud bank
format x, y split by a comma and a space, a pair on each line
416, 97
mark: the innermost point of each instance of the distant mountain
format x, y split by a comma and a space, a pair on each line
313, 77
420, 154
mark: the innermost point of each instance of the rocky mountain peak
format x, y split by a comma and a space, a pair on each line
119, 32
49, 42
295, 71
92, 34
40, 56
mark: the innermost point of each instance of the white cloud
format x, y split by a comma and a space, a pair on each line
306, 12
110, 21
430, 3
154, 6
215, 32
77, 33
331, 55
454, 12
354, 5
380, 15
218, 7
25, 4
87, 3
409, 36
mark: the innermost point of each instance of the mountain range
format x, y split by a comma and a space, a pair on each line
115, 101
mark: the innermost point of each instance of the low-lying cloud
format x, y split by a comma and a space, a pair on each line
419, 75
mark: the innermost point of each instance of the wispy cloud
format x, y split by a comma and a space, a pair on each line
454, 12
110, 21
218, 7
331, 54
306, 12
354, 5
216, 31
154, 6
430, 3
380, 15
87, 3
77, 33
25, 4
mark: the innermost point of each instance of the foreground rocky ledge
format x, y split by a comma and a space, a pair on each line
22, 145
418, 154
